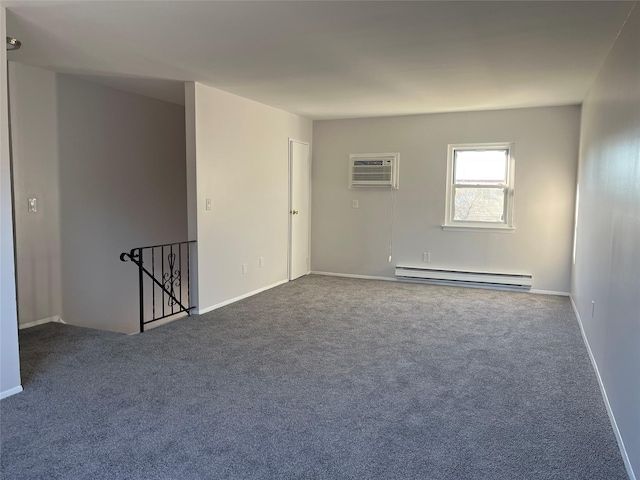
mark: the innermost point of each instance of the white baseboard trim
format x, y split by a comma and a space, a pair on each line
548, 292
352, 275
164, 321
42, 321
240, 297
612, 418
11, 391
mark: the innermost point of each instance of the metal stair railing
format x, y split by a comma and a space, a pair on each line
167, 260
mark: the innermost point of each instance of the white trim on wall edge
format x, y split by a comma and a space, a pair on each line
11, 391
353, 275
164, 321
612, 418
548, 292
42, 321
240, 297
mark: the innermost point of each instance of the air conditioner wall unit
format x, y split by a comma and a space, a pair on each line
368, 170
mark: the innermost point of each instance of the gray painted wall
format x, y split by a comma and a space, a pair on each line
356, 241
607, 269
35, 174
9, 358
122, 185
108, 169
238, 155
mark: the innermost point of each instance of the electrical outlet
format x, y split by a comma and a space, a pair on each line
244, 268
354, 203
426, 257
261, 262
33, 205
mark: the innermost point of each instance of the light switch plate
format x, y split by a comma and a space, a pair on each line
33, 205
207, 204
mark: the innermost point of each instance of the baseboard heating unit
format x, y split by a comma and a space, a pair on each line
502, 281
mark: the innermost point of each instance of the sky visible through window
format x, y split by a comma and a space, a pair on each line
488, 167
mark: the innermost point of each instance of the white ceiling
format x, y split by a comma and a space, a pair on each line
329, 59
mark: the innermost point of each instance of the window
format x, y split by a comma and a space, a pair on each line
480, 187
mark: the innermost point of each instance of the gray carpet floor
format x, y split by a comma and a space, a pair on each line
325, 378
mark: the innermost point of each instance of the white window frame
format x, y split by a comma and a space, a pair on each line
506, 226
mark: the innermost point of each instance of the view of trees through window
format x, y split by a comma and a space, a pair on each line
480, 180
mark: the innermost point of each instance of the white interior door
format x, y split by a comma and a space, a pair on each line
299, 208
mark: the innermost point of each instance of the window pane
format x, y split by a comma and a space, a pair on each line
479, 204
488, 167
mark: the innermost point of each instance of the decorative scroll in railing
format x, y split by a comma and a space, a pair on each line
163, 279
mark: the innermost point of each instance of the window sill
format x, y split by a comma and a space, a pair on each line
477, 228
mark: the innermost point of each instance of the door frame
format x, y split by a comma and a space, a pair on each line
290, 206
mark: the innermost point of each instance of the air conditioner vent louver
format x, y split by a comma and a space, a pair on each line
373, 170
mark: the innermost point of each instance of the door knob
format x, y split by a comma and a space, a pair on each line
294, 212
